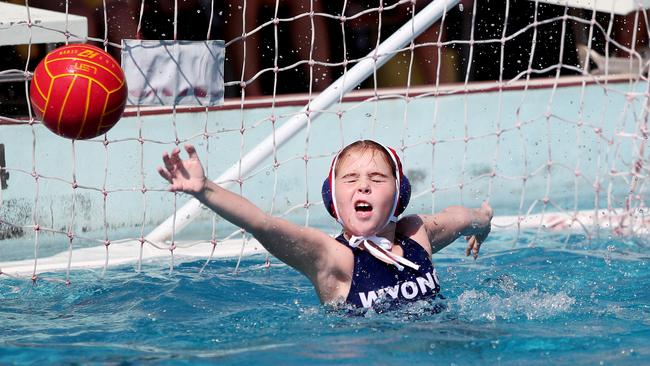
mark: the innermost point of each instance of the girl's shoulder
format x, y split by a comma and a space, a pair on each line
412, 226
409, 224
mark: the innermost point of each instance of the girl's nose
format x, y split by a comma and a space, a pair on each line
364, 187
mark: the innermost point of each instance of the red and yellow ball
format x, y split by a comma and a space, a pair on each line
78, 91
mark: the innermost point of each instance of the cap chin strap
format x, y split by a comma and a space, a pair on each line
380, 248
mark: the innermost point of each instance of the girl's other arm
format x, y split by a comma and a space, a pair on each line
445, 227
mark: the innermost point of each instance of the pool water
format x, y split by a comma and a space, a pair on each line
552, 299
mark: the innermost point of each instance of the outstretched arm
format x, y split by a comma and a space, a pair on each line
303, 248
445, 227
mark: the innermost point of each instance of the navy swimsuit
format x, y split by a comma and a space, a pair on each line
374, 281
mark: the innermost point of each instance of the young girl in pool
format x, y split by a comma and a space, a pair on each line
378, 257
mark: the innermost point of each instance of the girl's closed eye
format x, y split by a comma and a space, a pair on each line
350, 178
378, 178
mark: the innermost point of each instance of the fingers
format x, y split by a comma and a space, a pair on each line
485, 215
172, 161
473, 246
165, 174
175, 157
175, 154
191, 151
168, 177
167, 161
470, 244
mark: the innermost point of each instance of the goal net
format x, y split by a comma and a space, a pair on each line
539, 108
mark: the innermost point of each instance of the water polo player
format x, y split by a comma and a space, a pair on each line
378, 257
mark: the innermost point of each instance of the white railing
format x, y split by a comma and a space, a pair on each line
621, 7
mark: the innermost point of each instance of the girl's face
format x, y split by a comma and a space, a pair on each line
365, 191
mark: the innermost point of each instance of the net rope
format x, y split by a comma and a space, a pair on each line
546, 211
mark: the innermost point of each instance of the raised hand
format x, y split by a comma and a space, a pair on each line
482, 224
183, 175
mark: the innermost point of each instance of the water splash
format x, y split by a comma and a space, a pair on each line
531, 304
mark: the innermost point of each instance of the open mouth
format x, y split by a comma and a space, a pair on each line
362, 207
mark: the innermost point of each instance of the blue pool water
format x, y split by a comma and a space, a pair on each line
561, 300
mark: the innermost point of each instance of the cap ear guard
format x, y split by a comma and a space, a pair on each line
326, 192
404, 189
404, 195
328, 189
